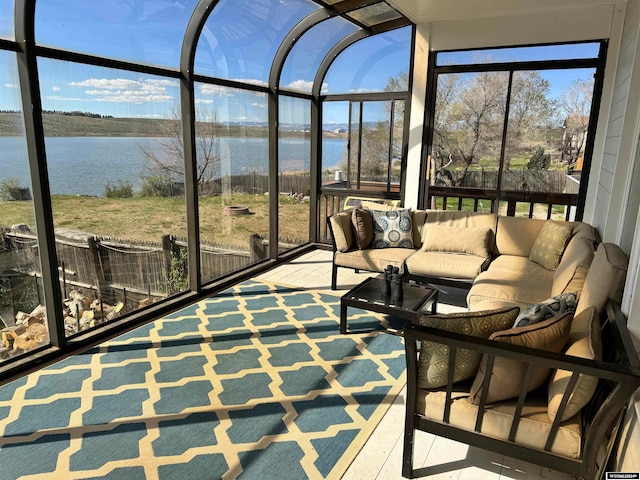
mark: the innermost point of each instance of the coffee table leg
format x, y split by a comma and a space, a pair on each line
343, 317
434, 304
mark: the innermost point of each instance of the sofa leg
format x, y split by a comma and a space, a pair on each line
334, 276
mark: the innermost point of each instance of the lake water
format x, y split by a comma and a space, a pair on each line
83, 165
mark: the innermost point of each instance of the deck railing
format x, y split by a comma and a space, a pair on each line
546, 205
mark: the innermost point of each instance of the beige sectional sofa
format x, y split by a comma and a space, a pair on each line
486, 252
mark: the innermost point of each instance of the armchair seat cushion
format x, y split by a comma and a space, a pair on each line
448, 265
533, 429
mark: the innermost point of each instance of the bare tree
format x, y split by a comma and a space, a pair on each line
531, 113
170, 160
470, 115
575, 102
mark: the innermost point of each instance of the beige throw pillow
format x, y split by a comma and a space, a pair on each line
585, 341
507, 375
549, 246
470, 240
433, 363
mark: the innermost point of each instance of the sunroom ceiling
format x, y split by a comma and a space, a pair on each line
375, 15
423, 11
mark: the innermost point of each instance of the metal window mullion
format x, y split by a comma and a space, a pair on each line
503, 146
361, 112
315, 157
391, 129
274, 181
187, 104
275, 73
36, 151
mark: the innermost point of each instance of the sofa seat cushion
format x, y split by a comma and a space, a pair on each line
532, 431
373, 259
448, 265
516, 280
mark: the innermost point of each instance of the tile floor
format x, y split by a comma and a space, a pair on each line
381, 457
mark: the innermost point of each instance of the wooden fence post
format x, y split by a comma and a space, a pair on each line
167, 253
97, 264
256, 248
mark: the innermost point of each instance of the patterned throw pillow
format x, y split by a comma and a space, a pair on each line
433, 363
550, 243
392, 228
563, 303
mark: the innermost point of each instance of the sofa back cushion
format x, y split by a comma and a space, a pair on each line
516, 235
460, 219
605, 279
573, 267
470, 240
585, 341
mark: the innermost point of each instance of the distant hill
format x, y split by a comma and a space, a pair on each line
63, 125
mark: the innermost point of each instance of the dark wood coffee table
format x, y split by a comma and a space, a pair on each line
368, 296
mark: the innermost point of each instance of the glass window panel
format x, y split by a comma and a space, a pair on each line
374, 14
234, 205
293, 169
520, 54
143, 31
241, 37
335, 131
117, 186
374, 159
20, 272
300, 68
468, 125
6, 19
374, 64
547, 132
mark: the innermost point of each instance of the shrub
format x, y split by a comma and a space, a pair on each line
10, 189
539, 161
120, 189
160, 185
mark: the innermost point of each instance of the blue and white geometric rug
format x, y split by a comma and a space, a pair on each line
254, 383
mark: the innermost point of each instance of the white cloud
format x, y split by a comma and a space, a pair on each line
204, 101
252, 81
55, 88
11, 85
306, 86
215, 90
121, 90
365, 90
301, 85
259, 105
65, 99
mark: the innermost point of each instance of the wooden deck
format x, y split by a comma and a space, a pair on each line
381, 457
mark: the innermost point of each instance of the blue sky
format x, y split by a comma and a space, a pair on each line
237, 43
